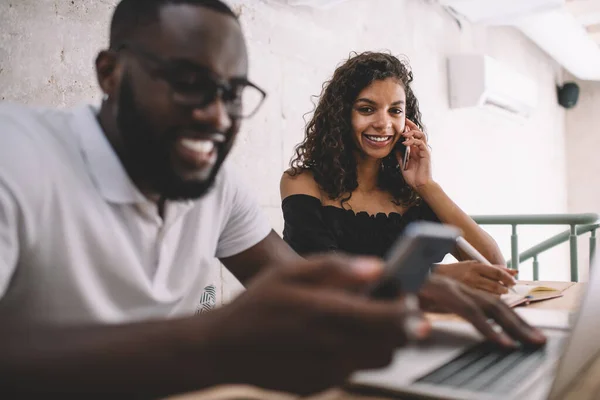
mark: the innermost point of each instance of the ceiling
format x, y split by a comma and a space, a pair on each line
567, 30
587, 12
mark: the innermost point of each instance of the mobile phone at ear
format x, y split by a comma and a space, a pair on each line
405, 151
410, 259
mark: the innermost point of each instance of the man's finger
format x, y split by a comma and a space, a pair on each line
473, 313
510, 322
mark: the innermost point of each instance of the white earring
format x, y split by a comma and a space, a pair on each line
105, 97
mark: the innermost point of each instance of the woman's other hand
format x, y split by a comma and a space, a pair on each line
494, 279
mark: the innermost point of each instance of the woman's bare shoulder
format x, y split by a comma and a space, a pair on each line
301, 182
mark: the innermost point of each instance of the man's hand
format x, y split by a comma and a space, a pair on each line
477, 307
305, 326
495, 279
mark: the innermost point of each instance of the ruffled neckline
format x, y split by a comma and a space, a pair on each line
393, 217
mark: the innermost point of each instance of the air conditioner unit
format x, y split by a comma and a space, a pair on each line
477, 80
500, 12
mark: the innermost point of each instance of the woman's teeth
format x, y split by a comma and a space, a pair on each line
198, 145
378, 138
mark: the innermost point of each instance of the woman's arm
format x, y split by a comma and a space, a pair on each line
449, 213
418, 176
494, 278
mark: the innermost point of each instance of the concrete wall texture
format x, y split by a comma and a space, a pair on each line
489, 164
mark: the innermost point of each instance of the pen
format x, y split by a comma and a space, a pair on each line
472, 252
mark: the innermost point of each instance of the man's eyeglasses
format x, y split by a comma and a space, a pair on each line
195, 86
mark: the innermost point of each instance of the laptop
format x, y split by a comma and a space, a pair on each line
456, 364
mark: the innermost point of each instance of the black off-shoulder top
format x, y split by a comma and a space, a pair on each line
311, 227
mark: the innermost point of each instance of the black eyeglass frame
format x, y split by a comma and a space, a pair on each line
198, 96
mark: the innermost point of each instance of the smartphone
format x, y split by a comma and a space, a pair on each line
410, 259
405, 154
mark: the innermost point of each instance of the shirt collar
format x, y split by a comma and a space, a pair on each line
104, 165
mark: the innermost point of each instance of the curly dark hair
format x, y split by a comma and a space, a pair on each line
327, 150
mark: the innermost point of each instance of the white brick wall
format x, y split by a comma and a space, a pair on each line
486, 163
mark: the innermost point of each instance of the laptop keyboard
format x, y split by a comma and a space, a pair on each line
486, 367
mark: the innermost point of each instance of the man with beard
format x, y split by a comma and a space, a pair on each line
110, 220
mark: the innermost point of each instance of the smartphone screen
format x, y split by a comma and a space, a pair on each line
410, 259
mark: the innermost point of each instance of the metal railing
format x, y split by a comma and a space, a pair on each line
578, 225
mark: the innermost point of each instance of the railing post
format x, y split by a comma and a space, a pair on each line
536, 268
514, 248
573, 249
592, 246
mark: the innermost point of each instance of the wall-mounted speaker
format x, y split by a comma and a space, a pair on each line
568, 94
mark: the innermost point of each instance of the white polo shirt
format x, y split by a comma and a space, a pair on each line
80, 244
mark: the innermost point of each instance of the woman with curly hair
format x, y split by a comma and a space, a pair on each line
349, 189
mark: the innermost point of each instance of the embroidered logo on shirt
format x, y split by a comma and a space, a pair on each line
208, 300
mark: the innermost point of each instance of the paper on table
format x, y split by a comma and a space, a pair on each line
530, 293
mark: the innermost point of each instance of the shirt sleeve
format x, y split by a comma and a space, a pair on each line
305, 230
21, 189
9, 243
246, 223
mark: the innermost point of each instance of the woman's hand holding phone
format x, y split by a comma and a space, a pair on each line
417, 169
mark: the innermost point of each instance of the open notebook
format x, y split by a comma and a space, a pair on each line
527, 293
